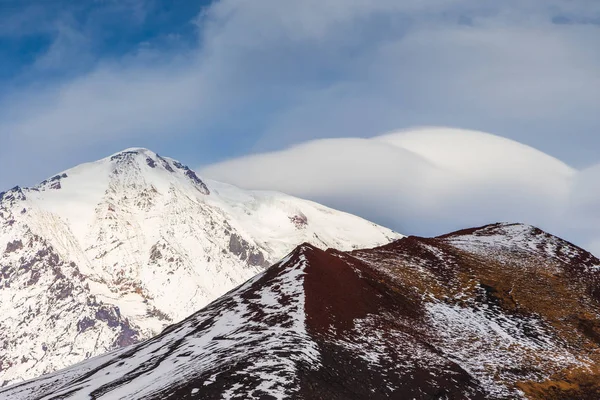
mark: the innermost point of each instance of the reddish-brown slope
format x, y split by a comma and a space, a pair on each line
549, 286
367, 328
498, 312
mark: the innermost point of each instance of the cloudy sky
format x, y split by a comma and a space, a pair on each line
207, 82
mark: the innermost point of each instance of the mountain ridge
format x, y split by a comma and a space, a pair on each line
121, 247
417, 318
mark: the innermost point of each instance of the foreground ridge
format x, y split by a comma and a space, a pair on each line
504, 311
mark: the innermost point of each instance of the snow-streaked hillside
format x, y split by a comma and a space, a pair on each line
500, 312
109, 253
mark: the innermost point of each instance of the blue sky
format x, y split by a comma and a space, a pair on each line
209, 81
47, 45
32, 31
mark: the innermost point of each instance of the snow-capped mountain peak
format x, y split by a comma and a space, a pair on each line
109, 252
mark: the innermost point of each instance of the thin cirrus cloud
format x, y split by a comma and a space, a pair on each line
266, 74
431, 181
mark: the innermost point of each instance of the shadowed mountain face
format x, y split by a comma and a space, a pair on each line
498, 312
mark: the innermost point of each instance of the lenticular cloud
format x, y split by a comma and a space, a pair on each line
431, 180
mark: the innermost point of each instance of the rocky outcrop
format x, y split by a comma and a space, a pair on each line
241, 248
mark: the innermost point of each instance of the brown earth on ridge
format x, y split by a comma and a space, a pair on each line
504, 311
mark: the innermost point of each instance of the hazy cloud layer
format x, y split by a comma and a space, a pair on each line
431, 181
234, 77
262, 75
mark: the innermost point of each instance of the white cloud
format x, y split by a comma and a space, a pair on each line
584, 207
431, 181
267, 74
315, 68
109, 103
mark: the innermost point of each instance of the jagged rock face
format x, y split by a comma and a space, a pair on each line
499, 312
109, 253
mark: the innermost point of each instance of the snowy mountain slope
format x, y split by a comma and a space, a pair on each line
250, 331
418, 318
109, 253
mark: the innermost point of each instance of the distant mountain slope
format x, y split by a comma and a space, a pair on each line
109, 253
499, 312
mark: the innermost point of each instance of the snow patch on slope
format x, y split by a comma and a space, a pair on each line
488, 344
503, 240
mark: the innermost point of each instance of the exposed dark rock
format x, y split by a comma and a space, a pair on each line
238, 246
127, 336
125, 155
179, 165
150, 162
62, 289
591, 329
92, 301
199, 184
155, 253
52, 183
13, 246
193, 177
110, 315
299, 220
57, 178
243, 249
35, 277
84, 324
165, 164
5, 270
257, 259
155, 312
13, 195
